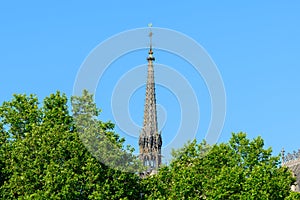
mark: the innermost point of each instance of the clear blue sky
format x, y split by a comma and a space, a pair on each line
256, 46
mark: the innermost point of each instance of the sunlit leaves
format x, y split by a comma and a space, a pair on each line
240, 169
47, 153
45, 157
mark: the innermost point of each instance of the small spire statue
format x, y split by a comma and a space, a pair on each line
282, 156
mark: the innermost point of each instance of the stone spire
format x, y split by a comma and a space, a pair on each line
150, 141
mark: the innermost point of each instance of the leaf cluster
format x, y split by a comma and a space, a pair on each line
43, 155
239, 169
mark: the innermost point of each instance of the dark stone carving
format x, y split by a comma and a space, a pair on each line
150, 141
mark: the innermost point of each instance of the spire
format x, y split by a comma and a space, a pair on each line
150, 140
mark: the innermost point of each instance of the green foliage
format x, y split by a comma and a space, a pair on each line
240, 169
55, 111
20, 115
46, 158
293, 196
47, 153
99, 138
3, 148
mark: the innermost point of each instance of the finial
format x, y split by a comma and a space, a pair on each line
150, 56
150, 34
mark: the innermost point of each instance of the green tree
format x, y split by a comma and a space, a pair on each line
240, 169
294, 196
3, 148
20, 115
48, 159
99, 138
47, 153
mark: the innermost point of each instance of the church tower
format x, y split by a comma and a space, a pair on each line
150, 141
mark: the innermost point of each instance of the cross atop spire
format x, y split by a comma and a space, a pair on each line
150, 35
150, 56
150, 141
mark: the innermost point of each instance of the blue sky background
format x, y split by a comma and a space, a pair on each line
256, 46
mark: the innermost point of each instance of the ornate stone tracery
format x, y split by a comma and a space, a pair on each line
295, 155
150, 140
292, 161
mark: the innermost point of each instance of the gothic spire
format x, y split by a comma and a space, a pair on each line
150, 140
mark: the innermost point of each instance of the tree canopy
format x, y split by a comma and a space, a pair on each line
43, 157
239, 169
48, 152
